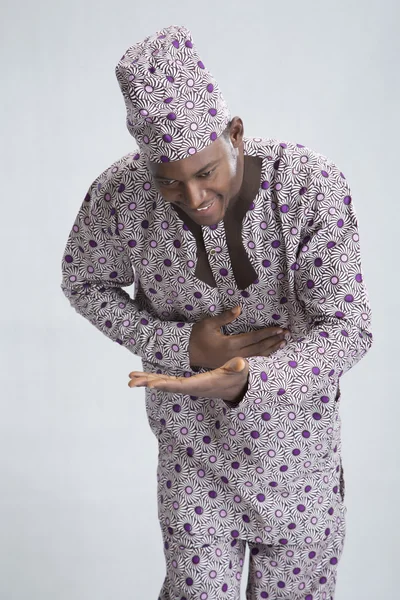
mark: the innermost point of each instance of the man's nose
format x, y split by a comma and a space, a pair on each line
193, 196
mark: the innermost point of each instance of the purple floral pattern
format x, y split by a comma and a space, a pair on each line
174, 105
269, 470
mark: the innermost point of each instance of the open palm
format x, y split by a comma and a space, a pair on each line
228, 382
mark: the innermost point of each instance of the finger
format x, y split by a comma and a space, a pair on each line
202, 384
269, 341
136, 373
270, 349
241, 340
141, 376
227, 316
138, 376
263, 349
235, 365
154, 376
139, 381
161, 382
274, 348
217, 321
264, 345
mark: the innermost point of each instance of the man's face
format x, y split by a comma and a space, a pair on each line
203, 184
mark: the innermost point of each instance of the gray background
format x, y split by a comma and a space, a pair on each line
77, 458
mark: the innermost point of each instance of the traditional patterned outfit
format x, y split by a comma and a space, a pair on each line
267, 471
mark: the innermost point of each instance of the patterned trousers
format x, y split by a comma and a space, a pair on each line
214, 571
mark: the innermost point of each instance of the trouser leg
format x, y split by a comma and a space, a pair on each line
291, 573
212, 572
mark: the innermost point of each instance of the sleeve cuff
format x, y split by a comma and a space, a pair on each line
172, 345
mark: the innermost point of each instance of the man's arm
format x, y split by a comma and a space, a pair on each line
95, 268
329, 284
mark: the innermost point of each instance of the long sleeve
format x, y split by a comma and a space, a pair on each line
329, 286
95, 268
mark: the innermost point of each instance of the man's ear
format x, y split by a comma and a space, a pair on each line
236, 132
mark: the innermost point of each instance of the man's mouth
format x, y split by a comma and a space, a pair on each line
205, 208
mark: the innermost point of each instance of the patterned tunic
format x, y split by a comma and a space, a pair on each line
269, 469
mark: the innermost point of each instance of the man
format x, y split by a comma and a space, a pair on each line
249, 306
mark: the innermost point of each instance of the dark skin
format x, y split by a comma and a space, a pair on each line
195, 181
222, 175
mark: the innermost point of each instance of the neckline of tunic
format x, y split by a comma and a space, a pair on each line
209, 230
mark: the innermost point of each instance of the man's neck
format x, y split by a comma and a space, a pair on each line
239, 205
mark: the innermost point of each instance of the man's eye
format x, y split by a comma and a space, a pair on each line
166, 182
206, 174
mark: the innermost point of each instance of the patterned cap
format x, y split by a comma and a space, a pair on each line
174, 105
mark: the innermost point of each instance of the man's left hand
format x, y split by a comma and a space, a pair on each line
228, 382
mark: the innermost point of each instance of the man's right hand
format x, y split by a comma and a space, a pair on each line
210, 348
